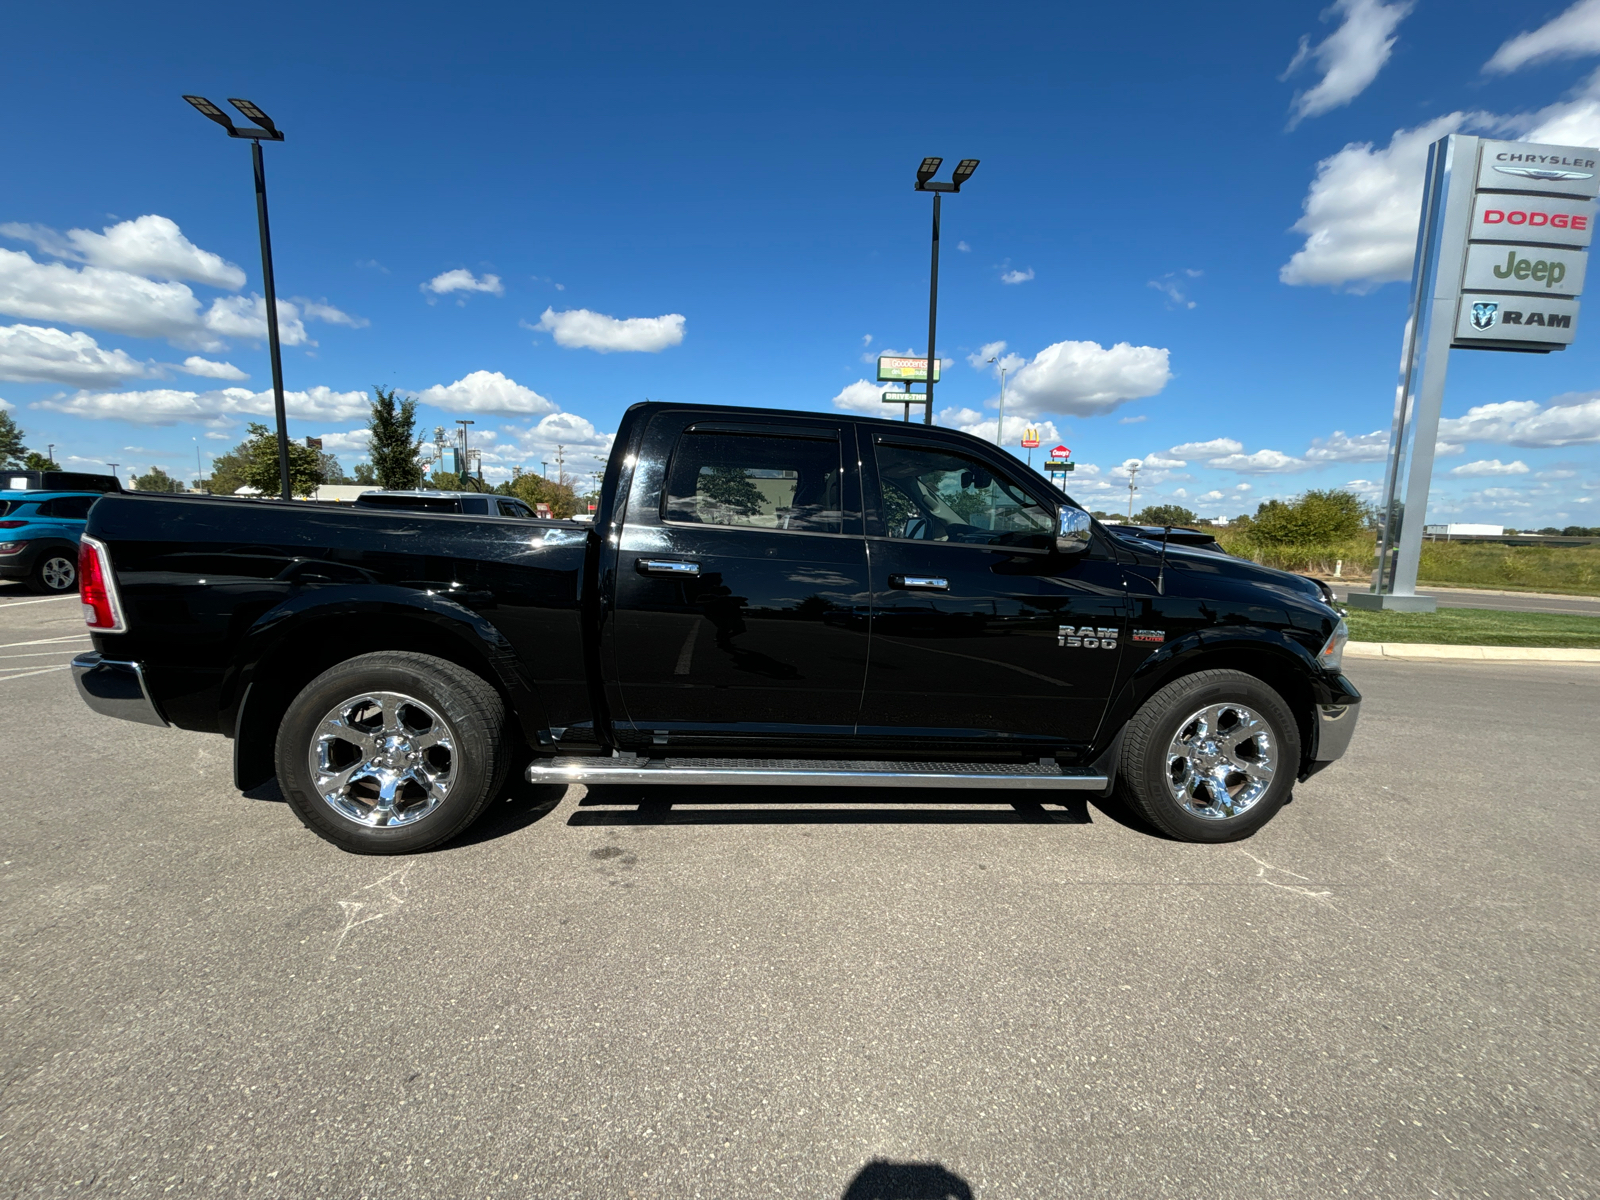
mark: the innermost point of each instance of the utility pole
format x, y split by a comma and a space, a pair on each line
465, 465
561, 459
1133, 472
1000, 425
925, 183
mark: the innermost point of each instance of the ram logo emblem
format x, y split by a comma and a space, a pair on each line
1088, 637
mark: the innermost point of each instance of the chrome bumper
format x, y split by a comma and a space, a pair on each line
1336, 724
115, 689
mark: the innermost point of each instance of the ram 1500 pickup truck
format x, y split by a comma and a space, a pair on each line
764, 596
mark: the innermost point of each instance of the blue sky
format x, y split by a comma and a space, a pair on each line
533, 218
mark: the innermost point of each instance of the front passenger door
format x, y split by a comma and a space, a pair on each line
985, 637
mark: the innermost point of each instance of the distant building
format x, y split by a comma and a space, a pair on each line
1464, 530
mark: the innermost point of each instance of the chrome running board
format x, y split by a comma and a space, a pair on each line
801, 772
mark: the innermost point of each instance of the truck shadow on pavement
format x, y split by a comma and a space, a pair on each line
518, 805
642, 804
881, 1180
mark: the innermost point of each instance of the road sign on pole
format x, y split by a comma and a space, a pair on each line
1500, 262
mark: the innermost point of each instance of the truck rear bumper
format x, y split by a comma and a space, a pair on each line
115, 689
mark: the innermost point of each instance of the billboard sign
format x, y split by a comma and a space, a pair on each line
1060, 452
1030, 437
1520, 268
909, 370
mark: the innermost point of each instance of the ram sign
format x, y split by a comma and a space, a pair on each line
1526, 250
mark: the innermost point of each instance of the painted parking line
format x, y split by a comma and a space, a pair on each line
71, 637
36, 654
39, 671
46, 600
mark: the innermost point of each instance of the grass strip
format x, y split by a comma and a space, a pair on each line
1475, 627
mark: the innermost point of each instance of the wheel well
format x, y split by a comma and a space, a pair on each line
1276, 670
309, 651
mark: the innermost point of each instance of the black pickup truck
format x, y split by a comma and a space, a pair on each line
785, 597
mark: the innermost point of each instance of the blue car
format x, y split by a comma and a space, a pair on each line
39, 532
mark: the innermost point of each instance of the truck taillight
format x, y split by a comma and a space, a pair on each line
97, 588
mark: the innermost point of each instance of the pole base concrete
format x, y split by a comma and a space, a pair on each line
1385, 602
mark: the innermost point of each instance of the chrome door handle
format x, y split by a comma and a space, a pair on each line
927, 583
667, 566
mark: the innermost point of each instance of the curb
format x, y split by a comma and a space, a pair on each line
1427, 650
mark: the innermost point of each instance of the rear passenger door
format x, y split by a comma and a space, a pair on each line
740, 603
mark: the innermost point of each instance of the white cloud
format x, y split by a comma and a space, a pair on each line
963, 247
1350, 57
1527, 423
149, 245
321, 310
352, 441
1360, 216
1262, 462
979, 358
1170, 286
1573, 34
580, 328
864, 396
1139, 420
1215, 448
1085, 378
971, 421
583, 444
168, 406
1015, 276
463, 280
98, 298
246, 317
1490, 466
195, 365
1209, 496
1365, 447
486, 392
33, 354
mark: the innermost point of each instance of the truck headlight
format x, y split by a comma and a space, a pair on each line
1331, 656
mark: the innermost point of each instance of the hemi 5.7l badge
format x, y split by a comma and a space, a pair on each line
1087, 636
1149, 635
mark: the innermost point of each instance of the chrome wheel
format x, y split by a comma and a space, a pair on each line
1221, 762
382, 759
59, 574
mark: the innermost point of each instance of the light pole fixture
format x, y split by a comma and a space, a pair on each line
465, 465
925, 183
1133, 474
264, 130
1000, 426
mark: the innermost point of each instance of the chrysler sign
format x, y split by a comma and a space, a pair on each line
1521, 268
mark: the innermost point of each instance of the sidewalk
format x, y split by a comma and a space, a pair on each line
1429, 650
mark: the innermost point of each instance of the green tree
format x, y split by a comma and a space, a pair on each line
38, 462
332, 469
259, 455
227, 471
364, 474
1165, 514
393, 443
534, 490
156, 480
730, 487
12, 451
1315, 517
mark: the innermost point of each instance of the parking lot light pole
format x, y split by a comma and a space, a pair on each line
925, 183
263, 130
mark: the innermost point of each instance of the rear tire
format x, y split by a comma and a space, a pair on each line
1210, 757
56, 573
392, 753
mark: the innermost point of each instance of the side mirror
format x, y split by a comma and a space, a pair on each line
1072, 529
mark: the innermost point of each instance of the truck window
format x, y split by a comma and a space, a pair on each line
510, 508
761, 482
933, 495
70, 508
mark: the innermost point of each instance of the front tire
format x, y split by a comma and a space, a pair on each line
1210, 757
56, 573
392, 753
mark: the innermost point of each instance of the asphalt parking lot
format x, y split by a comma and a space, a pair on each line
1390, 991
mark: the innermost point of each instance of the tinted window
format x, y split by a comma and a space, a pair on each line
760, 482
72, 508
514, 508
933, 495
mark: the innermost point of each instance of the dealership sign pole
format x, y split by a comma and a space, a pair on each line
1502, 250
